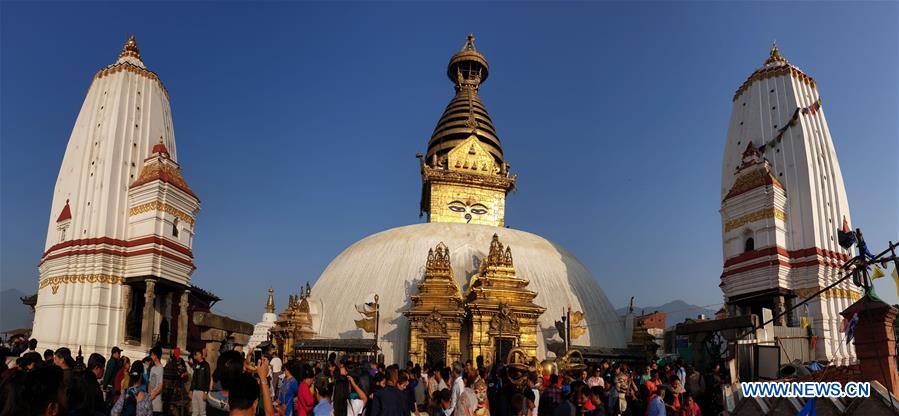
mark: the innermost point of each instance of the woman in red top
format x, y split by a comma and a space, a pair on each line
690, 407
305, 399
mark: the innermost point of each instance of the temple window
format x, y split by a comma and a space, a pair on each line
749, 245
175, 228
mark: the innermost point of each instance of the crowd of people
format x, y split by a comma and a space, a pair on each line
55, 383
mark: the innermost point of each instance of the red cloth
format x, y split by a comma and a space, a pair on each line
117, 380
305, 401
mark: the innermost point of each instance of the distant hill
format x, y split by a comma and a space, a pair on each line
677, 311
13, 314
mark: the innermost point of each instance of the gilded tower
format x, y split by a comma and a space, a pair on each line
464, 175
501, 308
437, 312
294, 323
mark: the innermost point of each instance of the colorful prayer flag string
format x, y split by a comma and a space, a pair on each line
811, 109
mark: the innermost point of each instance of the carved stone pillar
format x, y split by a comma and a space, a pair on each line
148, 323
780, 306
126, 306
182, 321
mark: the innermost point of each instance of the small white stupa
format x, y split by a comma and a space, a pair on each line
261, 330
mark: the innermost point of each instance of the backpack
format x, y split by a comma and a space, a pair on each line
130, 406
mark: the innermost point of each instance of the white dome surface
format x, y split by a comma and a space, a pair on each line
391, 263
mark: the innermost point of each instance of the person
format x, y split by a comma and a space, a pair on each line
675, 392
62, 358
596, 394
550, 397
32, 347
48, 356
244, 392
228, 369
112, 370
568, 406
656, 405
534, 396
419, 387
646, 376
653, 382
596, 379
390, 401
305, 400
691, 408
36, 392
156, 380
288, 393
134, 400
681, 372
277, 369
436, 383
174, 397
122, 379
348, 398
613, 400
440, 402
323, 395
458, 385
200, 383
89, 392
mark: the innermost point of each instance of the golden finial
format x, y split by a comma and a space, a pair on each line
775, 55
130, 49
270, 304
469, 43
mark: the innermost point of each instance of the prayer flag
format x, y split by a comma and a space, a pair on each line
878, 273
803, 322
845, 236
808, 409
577, 317
896, 278
844, 324
367, 325
850, 330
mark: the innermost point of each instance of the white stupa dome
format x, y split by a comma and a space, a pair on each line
391, 264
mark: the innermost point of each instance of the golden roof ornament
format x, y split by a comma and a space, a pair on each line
775, 55
131, 49
468, 68
270, 304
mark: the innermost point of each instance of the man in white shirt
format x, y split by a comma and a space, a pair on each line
436, 382
458, 385
275, 364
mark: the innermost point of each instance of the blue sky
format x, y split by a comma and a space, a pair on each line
297, 124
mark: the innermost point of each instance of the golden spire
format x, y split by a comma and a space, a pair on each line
775, 55
131, 49
270, 304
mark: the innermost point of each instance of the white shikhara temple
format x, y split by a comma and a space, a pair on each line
782, 201
262, 328
117, 262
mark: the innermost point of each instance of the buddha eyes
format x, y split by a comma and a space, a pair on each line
476, 209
